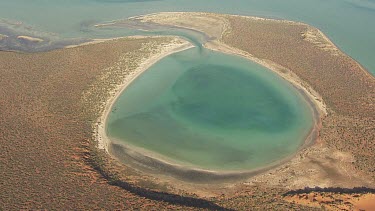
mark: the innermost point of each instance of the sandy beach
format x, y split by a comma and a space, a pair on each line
202, 22
47, 135
96, 41
223, 27
51, 103
154, 163
179, 45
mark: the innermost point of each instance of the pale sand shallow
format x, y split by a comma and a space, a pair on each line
30, 39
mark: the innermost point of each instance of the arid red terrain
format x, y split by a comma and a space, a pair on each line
50, 103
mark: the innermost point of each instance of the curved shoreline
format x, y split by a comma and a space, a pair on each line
51, 101
102, 139
150, 162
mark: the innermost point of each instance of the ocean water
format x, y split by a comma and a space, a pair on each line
197, 107
213, 112
349, 23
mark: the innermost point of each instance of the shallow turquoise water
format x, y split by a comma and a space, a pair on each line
213, 112
349, 23
209, 110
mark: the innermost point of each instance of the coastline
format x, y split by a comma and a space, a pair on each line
52, 100
154, 164
158, 164
218, 45
310, 96
282, 72
97, 41
102, 140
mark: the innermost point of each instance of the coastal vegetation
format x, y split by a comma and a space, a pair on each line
49, 159
51, 106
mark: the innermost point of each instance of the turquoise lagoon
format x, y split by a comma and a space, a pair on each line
198, 107
211, 111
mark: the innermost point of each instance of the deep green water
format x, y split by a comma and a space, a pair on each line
213, 111
198, 107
